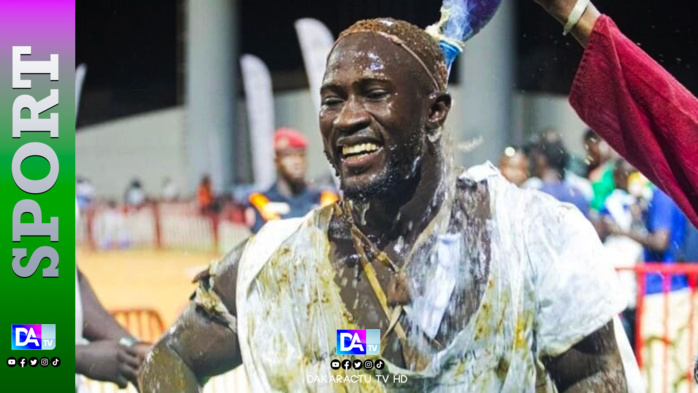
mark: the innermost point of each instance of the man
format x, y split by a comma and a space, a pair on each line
662, 238
110, 353
474, 284
205, 196
623, 210
550, 159
290, 196
599, 168
135, 196
104, 350
514, 165
635, 105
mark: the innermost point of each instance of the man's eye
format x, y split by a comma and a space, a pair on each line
377, 94
331, 101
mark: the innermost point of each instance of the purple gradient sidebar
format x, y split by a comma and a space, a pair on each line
37, 179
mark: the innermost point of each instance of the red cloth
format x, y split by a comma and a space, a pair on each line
641, 111
288, 138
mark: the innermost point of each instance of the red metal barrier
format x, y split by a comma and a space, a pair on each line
144, 323
162, 225
690, 270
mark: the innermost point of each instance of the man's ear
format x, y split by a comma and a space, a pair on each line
439, 106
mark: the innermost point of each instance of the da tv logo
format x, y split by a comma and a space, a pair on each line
33, 337
358, 341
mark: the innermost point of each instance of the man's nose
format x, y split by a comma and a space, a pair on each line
352, 117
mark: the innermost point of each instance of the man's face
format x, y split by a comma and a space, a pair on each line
621, 172
593, 151
514, 168
374, 107
291, 165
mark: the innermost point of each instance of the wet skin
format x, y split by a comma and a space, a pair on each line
375, 92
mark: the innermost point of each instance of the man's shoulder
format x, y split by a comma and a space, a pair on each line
503, 192
272, 235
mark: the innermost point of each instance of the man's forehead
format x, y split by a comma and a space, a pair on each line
368, 53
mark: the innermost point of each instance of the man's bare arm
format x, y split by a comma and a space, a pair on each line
202, 342
593, 365
561, 10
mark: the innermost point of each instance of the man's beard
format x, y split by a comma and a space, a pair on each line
399, 176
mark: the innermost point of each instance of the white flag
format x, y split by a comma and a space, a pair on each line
260, 113
79, 79
316, 41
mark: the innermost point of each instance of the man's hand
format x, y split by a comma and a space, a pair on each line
592, 365
108, 361
612, 228
561, 9
142, 350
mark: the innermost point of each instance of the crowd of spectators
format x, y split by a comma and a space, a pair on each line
637, 222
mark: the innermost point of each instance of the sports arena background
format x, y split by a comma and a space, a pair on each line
148, 112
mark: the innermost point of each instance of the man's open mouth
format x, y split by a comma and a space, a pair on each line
360, 155
362, 148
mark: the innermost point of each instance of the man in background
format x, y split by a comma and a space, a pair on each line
204, 195
623, 209
599, 168
549, 162
662, 238
291, 195
514, 165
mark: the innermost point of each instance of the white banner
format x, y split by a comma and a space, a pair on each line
316, 41
79, 80
260, 115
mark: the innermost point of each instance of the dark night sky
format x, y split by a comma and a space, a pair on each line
133, 49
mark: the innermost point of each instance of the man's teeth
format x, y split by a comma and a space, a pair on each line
359, 149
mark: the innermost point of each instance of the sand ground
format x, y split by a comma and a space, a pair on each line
160, 280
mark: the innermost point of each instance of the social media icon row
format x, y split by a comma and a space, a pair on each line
357, 364
33, 362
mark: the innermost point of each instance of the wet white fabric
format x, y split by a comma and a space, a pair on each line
549, 286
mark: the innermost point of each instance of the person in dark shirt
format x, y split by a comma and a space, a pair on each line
549, 159
290, 196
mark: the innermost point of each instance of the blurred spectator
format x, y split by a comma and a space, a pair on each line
85, 192
170, 192
662, 238
204, 195
111, 228
624, 209
549, 159
514, 165
599, 168
689, 253
290, 196
135, 196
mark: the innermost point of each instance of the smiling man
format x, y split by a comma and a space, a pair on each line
474, 284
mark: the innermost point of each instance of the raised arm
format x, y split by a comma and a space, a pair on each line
202, 343
635, 105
